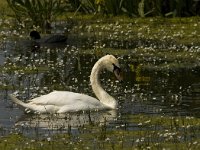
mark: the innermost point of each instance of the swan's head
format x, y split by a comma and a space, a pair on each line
35, 35
112, 64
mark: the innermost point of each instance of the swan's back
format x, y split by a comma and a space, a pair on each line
65, 101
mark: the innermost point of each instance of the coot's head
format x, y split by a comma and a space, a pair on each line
35, 35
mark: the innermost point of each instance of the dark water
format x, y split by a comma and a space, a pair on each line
144, 90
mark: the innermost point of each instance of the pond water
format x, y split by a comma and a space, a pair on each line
149, 91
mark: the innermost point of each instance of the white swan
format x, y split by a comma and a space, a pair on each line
65, 101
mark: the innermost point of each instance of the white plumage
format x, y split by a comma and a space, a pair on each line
65, 101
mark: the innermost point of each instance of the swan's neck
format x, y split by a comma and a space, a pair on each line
100, 93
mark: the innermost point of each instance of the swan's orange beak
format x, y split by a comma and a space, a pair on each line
118, 73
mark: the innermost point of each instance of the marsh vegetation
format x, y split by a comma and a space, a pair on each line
158, 99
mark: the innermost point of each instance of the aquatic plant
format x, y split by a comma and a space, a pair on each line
40, 12
127, 132
152, 114
140, 8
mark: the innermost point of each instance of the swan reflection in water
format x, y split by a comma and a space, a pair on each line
63, 122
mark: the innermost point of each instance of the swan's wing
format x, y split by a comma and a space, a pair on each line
64, 101
61, 98
81, 106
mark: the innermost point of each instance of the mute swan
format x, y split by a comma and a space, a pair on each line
56, 38
65, 101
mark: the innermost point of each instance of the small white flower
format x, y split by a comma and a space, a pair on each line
49, 139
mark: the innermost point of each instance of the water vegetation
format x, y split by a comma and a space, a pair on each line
36, 12
160, 58
154, 132
137, 8
43, 13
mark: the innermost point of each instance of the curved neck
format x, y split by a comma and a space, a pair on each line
100, 93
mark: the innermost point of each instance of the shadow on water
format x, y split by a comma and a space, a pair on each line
143, 91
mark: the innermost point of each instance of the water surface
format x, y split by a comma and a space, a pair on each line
145, 90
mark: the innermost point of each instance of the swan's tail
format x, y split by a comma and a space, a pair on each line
17, 101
